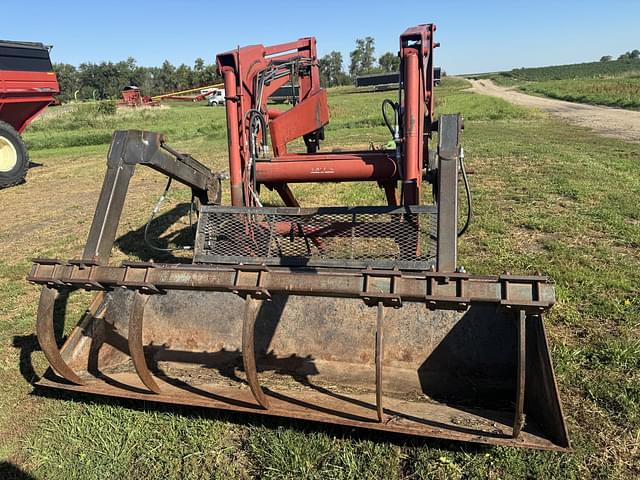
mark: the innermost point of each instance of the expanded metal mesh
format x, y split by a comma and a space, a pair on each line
368, 236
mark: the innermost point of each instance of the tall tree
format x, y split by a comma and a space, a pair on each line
67, 79
362, 57
331, 72
389, 62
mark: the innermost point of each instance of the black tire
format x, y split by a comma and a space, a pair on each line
14, 159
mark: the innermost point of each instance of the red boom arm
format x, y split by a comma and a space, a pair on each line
252, 74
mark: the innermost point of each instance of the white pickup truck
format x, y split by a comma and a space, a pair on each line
216, 98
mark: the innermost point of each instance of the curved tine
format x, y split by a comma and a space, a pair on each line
136, 348
519, 419
379, 339
248, 351
47, 338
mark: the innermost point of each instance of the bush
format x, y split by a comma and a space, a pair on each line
106, 107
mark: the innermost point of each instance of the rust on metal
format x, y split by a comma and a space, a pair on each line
136, 346
379, 356
456, 291
518, 421
248, 351
47, 338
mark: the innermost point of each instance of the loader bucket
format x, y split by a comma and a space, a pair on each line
385, 344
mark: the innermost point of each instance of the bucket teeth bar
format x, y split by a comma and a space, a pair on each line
453, 291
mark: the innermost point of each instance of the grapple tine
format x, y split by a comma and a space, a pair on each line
248, 351
47, 338
379, 353
518, 421
136, 348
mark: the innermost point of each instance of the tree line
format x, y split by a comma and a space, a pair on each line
625, 57
107, 79
362, 62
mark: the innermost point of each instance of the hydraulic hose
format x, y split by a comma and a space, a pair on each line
467, 189
154, 212
395, 133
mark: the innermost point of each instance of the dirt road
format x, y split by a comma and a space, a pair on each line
611, 122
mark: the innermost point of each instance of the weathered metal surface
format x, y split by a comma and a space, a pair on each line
315, 355
437, 290
379, 353
373, 237
448, 157
46, 335
136, 347
248, 351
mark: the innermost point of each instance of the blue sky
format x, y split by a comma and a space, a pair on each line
476, 36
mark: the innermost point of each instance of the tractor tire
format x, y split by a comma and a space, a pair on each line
14, 160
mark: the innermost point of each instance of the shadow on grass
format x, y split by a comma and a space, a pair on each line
133, 242
27, 344
9, 471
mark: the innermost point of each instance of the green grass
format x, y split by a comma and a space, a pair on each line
614, 84
615, 68
614, 92
78, 125
548, 197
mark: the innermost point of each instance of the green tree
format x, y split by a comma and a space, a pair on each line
606, 58
107, 79
331, 73
67, 79
389, 62
362, 57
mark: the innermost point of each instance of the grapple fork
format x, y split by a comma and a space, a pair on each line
357, 316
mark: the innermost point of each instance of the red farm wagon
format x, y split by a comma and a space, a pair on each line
27, 86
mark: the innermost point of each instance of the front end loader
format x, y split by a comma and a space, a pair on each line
357, 315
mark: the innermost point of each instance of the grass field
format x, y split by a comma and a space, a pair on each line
614, 84
623, 92
548, 197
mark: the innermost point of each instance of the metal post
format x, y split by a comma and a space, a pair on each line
448, 153
518, 421
111, 201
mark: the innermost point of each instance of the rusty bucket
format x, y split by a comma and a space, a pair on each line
406, 350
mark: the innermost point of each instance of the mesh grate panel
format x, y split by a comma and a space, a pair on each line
365, 236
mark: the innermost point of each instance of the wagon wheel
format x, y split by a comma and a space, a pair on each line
14, 160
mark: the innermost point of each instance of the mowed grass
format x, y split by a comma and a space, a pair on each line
548, 197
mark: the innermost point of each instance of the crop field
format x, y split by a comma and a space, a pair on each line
614, 84
548, 197
621, 92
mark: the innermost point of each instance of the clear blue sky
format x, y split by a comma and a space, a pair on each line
476, 36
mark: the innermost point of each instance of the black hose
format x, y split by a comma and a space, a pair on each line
252, 114
469, 197
392, 128
154, 212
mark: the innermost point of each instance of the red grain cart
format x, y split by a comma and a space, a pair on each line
27, 86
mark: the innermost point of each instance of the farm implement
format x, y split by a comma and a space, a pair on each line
358, 315
27, 86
